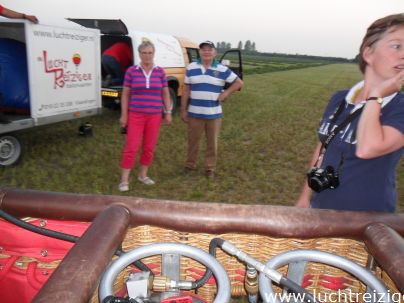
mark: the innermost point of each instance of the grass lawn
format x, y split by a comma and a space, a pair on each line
268, 135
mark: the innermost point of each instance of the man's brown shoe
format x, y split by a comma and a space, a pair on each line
210, 174
186, 171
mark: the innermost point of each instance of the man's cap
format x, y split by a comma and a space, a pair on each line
208, 43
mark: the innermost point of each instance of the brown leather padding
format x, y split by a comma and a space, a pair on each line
387, 247
277, 221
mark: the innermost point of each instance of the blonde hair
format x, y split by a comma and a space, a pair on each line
376, 31
145, 44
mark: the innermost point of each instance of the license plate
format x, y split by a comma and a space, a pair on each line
112, 94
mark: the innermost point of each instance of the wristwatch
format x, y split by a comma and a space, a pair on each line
377, 99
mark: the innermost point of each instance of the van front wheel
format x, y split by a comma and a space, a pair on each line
173, 99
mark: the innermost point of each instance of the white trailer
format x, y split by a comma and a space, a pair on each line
64, 77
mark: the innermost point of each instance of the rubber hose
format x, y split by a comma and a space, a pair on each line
308, 297
38, 229
214, 243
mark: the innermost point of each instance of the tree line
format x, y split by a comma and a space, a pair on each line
247, 46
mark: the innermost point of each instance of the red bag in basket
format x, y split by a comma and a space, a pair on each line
27, 259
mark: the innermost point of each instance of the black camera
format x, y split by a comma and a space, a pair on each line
320, 179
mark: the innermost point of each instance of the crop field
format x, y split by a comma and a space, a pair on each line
255, 64
267, 138
260, 64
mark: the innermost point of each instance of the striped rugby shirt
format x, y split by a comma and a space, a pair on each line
206, 86
145, 90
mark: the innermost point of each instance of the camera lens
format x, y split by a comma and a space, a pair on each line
332, 177
318, 184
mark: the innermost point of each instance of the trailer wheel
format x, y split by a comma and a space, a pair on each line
10, 150
173, 99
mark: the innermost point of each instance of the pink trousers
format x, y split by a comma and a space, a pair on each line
143, 129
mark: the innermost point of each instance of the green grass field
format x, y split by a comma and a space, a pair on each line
265, 64
268, 135
260, 64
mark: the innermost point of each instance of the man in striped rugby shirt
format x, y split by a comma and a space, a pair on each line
201, 106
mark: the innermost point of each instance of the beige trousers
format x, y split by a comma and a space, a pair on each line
211, 128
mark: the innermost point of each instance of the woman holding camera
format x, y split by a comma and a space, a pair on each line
362, 130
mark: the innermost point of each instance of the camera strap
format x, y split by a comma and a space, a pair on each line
334, 132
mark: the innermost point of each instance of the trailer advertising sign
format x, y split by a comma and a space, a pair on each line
64, 69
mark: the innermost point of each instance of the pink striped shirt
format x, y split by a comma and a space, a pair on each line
145, 90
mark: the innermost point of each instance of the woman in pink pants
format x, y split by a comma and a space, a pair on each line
144, 97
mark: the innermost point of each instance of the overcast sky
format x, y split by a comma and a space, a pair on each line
311, 27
